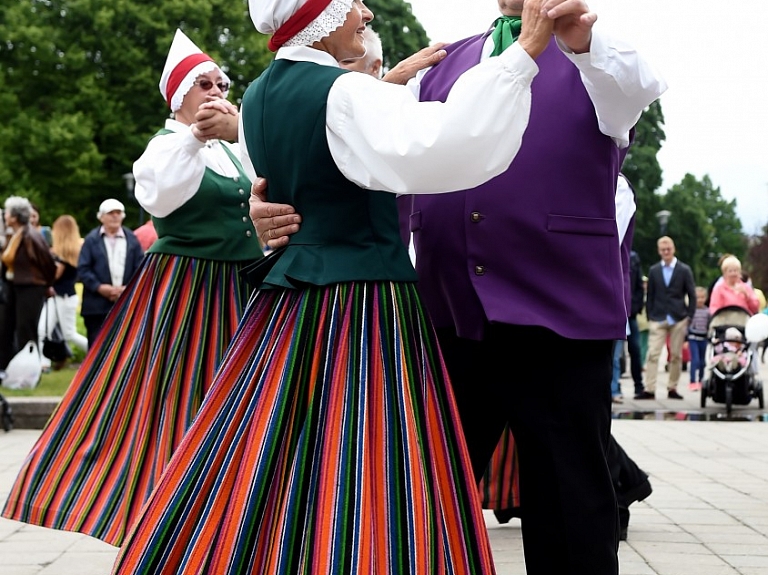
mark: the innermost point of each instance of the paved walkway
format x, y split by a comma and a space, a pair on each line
708, 514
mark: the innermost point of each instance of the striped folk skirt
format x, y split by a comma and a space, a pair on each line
328, 445
500, 484
131, 401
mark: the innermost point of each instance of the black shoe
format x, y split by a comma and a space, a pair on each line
504, 515
673, 394
645, 395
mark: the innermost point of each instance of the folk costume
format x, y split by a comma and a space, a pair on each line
330, 443
541, 273
152, 364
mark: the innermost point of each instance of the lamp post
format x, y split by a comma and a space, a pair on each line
130, 184
663, 217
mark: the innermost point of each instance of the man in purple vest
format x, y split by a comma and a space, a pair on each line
523, 280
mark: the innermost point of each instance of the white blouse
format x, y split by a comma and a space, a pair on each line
382, 138
169, 172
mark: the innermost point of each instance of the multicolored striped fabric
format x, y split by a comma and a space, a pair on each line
500, 485
328, 445
130, 403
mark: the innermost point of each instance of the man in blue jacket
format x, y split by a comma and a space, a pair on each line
110, 256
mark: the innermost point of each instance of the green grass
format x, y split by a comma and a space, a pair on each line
52, 384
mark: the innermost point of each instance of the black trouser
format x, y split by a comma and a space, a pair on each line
19, 317
556, 395
93, 322
627, 479
635, 361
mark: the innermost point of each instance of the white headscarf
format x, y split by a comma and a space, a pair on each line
269, 15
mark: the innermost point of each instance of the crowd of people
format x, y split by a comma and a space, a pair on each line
329, 409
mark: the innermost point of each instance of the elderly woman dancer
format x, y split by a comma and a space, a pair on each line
330, 440
144, 379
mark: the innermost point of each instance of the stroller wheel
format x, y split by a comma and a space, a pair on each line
704, 393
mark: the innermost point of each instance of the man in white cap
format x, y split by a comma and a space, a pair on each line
109, 257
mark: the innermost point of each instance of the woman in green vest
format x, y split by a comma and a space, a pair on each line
143, 381
330, 443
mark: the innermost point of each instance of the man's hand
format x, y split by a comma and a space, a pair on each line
216, 120
424, 58
537, 26
274, 223
573, 23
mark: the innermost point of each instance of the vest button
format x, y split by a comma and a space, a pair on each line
242, 205
479, 270
245, 220
242, 192
475, 217
248, 233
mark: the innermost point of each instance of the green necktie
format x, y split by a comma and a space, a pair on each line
506, 30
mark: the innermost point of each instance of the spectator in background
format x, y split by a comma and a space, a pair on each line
34, 221
29, 272
62, 307
732, 290
110, 256
637, 306
146, 234
698, 332
670, 304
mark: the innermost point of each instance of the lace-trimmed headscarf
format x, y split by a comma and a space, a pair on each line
185, 62
298, 22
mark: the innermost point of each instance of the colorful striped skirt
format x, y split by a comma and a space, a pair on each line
131, 401
328, 445
500, 485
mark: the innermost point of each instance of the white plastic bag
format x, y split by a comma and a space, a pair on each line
24, 370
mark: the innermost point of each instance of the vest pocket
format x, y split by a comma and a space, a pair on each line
581, 225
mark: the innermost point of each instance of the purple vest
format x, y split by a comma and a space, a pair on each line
537, 245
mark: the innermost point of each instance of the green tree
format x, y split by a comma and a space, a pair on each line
80, 90
704, 226
757, 260
642, 168
400, 31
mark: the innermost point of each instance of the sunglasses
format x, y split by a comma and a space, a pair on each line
207, 85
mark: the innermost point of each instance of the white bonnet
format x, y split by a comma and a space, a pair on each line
185, 62
270, 15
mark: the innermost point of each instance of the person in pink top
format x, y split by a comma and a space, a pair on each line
732, 291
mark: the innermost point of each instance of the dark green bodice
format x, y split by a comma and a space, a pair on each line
347, 233
214, 223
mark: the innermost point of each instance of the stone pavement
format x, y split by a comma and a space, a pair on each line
708, 514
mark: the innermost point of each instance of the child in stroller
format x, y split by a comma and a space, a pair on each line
731, 371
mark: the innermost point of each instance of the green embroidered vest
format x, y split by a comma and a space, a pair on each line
214, 223
347, 234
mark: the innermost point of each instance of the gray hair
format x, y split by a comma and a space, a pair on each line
19, 208
373, 49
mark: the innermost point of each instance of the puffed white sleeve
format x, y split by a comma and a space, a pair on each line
620, 83
382, 138
169, 172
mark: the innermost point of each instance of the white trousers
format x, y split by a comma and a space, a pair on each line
66, 309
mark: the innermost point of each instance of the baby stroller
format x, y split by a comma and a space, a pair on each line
6, 417
730, 359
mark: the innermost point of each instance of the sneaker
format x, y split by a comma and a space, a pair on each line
672, 394
645, 395
694, 386
617, 399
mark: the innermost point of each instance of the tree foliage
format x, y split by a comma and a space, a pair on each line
703, 225
401, 33
642, 168
80, 89
757, 260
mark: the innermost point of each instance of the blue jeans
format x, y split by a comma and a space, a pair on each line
618, 348
698, 349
